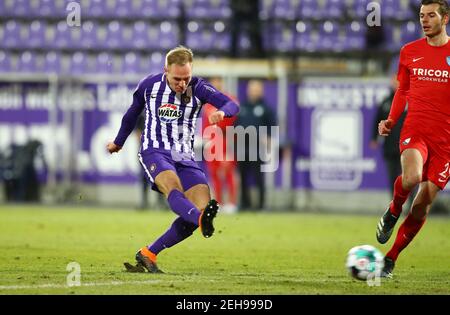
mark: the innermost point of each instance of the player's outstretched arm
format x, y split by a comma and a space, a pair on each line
112, 147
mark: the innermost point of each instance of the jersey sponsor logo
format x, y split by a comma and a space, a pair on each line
407, 141
417, 59
169, 112
433, 75
443, 177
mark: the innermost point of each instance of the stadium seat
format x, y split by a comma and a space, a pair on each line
79, 63
153, 63
131, 63
28, 62
285, 9
354, 36
51, 8
329, 36
127, 8
160, 9
104, 63
280, 35
216, 9
306, 36
17, 8
114, 35
169, 34
35, 34
309, 9
97, 8
52, 62
12, 35
359, 9
333, 9
410, 31
5, 61
92, 36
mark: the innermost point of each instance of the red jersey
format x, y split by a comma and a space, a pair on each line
424, 78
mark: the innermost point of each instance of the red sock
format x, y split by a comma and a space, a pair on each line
400, 196
407, 231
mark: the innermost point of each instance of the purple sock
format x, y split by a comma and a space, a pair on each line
183, 207
179, 230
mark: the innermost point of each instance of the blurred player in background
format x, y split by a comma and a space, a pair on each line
221, 172
424, 83
172, 102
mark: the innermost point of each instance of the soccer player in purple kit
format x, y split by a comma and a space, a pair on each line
172, 102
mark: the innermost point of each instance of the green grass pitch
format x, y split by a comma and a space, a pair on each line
250, 253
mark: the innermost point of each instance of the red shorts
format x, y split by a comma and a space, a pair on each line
436, 168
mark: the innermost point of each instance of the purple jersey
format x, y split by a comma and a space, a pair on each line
170, 117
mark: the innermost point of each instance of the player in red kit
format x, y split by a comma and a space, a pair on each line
424, 77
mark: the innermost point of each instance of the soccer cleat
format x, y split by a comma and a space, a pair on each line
386, 226
207, 217
388, 269
145, 259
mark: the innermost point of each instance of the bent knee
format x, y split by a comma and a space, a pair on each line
410, 180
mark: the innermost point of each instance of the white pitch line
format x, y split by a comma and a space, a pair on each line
63, 286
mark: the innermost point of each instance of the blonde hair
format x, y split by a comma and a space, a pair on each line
180, 56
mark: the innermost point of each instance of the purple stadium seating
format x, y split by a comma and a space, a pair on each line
309, 9
104, 63
169, 32
97, 8
355, 36
140, 31
79, 63
280, 37
329, 36
51, 8
284, 9
62, 37
12, 35
333, 9
52, 62
17, 8
36, 34
153, 63
410, 31
160, 8
27, 62
92, 35
5, 61
114, 35
131, 63
217, 9
359, 9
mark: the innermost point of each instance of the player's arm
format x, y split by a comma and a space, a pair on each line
129, 120
399, 101
226, 107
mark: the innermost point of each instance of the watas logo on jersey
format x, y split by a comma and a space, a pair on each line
169, 112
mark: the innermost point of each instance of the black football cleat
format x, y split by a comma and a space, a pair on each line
207, 217
388, 269
386, 226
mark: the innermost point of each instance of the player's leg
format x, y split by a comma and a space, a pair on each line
412, 164
197, 191
213, 172
162, 173
412, 223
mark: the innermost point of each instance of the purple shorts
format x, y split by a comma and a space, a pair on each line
157, 161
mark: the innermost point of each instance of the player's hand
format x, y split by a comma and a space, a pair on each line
216, 117
384, 127
112, 147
